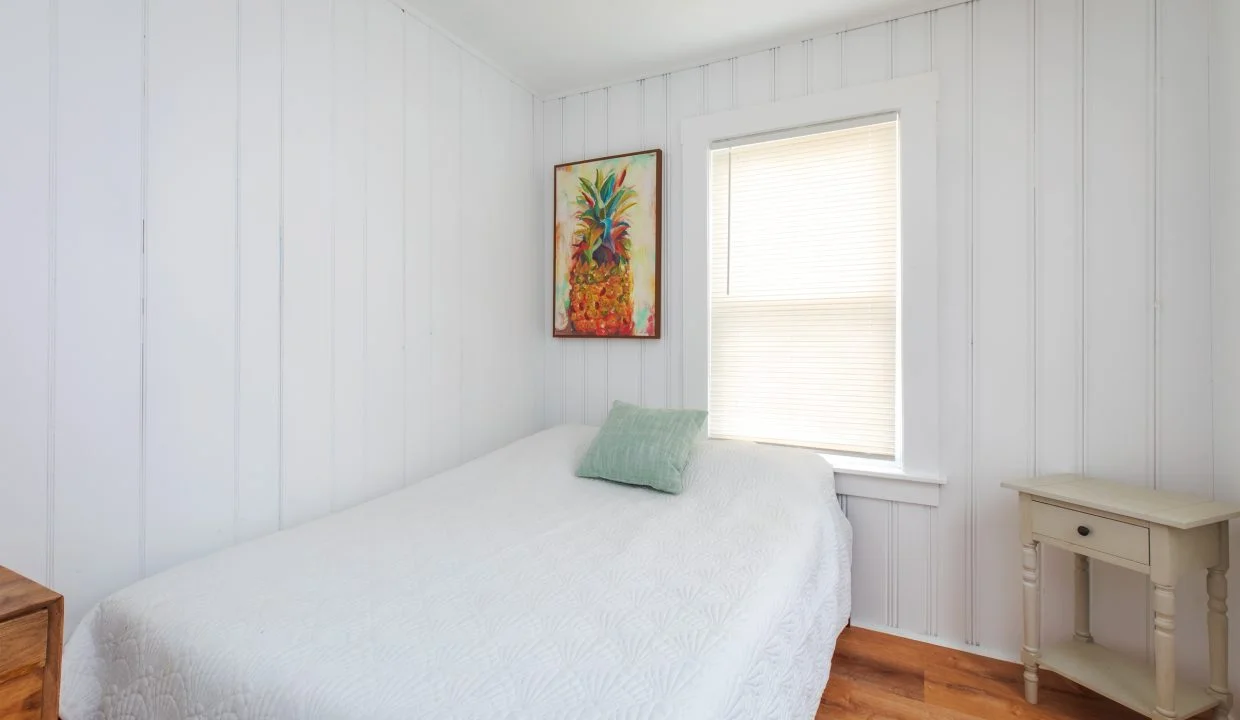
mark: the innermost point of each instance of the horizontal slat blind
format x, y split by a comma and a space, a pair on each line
803, 290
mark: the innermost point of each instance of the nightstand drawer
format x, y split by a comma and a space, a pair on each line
23, 643
1121, 539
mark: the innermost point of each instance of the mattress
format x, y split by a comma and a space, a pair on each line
505, 588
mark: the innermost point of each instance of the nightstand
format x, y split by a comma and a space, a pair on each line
31, 630
1160, 534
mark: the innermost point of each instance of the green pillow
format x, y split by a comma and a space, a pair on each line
643, 446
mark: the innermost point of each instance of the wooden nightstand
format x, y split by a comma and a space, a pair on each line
31, 630
1161, 534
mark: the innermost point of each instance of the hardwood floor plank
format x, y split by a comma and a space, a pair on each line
889, 650
848, 699
871, 674
879, 676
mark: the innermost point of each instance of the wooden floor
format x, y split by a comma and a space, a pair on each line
875, 675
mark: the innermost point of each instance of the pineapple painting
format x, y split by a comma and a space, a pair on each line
607, 247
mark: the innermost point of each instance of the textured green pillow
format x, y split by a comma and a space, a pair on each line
643, 446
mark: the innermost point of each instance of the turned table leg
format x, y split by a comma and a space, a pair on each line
1216, 588
1081, 631
1164, 650
1029, 650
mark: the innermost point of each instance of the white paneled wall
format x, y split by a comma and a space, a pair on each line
1074, 268
256, 261
1225, 216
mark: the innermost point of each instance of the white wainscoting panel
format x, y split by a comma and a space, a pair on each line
260, 261
28, 55
259, 224
1074, 275
98, 320
190, 270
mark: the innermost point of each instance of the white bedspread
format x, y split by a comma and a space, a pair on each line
506, 588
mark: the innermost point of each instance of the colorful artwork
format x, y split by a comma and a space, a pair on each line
607, 224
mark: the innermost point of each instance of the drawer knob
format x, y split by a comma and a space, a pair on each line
1082, 530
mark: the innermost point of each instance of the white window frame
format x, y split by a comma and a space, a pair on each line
913, 476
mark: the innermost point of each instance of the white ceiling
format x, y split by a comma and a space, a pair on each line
558, 46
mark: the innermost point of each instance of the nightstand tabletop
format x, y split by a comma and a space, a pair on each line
18, 595
1159, 507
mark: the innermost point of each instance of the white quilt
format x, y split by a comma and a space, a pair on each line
506, 588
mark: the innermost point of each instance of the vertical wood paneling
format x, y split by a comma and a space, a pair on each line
555, 392
277, 160
385, 270
720, 86
826, 63
1184, 451
686, 97
349, 113
418, 250
1117, 202
624, 134
98, 323
1225, 226
871, 521
258, 262
446, 259
1003, 354
525, 124
306, 211
912, 565
1059, 349
1118, 293
792, 70
494, 109
476, 114
473, 224
910, 45
191, 280
498, 113
953, 52
867, 54
27, 246
658, 134
511, 133
755, 78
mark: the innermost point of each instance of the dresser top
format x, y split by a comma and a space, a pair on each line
20, 595
1159, 507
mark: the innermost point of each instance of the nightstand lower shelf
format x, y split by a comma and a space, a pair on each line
1116, 676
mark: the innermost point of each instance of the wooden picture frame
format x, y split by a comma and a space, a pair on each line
606, 247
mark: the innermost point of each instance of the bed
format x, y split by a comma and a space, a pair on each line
505, 588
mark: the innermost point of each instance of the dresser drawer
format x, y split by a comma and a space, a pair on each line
21, 698
23, 644
1121, 539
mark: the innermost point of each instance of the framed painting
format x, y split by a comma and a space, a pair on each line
608, 219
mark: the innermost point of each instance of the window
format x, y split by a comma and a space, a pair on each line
810, 279
803, 288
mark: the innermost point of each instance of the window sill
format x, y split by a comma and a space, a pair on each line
883, 480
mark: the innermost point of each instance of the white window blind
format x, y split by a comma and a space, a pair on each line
803, 290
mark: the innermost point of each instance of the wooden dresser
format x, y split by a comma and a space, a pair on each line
31, 631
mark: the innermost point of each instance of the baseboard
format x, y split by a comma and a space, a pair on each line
941, 642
